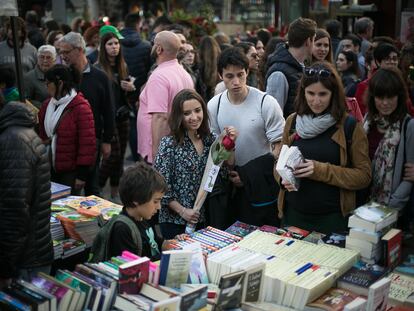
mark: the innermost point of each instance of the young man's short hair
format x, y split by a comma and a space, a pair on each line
300, 30
232, 56
139, 183
383, 51
354, 38
132, 19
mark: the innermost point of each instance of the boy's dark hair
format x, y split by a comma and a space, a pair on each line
7, 75
387, 82
333, 27
264, 35
383, 50
132, 19
300, 30
139, 183
232, 56
382, 39
356, 41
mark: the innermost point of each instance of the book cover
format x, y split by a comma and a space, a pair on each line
63, 294
28, 297
360, 277
372, 217
132, 275
74, 282
13, 303
198, 271
359, 304
378, 295
336, 239
253, 283
292, 232
267, 228
334, 299
193, 297
407, 266
59, 190
391, 248
314, 237
241, 229
289, 159
175, 267
230, 290
93, 206
50, 297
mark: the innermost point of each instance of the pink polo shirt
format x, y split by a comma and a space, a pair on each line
164, 83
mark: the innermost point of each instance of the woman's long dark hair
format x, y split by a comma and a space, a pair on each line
176, 117
351, 57
387, 82
332, 82
103, 59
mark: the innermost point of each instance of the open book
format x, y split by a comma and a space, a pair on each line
289, 159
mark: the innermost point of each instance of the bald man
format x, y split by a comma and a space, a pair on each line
156, 98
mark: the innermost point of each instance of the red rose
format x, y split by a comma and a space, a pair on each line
228, 143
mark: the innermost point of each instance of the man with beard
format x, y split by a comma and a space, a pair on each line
156, 98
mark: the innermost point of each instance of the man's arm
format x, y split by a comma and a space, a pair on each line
278, 87
159, 126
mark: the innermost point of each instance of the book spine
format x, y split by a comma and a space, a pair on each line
165, 259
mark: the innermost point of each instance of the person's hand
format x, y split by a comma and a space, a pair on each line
4, 283
106, 150
235, 179
79, 184
232, 132
305, 169
190, 215
181, 237
289, 187
409, 171
128, 85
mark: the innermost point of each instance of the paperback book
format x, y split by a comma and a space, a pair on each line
288, 161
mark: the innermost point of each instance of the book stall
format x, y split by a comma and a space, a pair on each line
242, 268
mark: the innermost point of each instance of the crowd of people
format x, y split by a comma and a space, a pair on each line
345, 102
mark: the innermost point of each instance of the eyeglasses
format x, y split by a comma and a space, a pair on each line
321, 73
65, 52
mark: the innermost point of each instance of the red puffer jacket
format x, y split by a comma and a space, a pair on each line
76, 141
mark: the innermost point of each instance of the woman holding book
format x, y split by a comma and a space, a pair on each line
335, 151
390, 132
181, 159
66, 126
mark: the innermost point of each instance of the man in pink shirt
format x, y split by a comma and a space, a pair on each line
156, 98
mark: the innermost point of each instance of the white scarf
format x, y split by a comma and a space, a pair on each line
308, 126
53, 113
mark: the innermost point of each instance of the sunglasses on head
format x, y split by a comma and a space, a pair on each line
314, 72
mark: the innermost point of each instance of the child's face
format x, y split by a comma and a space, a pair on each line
148, 209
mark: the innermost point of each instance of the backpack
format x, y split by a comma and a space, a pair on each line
100, 246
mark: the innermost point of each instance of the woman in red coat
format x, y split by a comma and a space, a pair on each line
66, 125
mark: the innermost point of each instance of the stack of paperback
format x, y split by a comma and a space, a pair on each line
59, 191
71, 247
79, 227
57, 249
60, 204
56, 228
368, 224
211, 240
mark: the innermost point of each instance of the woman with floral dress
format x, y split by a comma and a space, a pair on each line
181, 159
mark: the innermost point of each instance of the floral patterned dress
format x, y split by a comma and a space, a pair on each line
182, 168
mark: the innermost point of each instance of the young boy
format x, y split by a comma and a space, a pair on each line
141, 189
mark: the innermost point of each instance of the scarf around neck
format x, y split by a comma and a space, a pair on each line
383, 161
53, 114
308, 126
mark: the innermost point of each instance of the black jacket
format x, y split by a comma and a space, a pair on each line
136, 53
281, 60
25, 239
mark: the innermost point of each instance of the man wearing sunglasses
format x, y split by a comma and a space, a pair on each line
286, 63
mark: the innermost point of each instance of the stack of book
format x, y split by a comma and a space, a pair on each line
57, 249
59, 205
241, 229
367, 225
59, 191
56, 229
211, 240
401, 290
79, 227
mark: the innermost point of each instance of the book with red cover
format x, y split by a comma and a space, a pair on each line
392, 248
292, 232
132, 275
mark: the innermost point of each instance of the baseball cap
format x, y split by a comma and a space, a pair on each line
108, 28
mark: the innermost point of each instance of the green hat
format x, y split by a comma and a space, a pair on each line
108, 28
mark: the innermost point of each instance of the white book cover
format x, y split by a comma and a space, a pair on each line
289, 159
378, 295
358, 304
